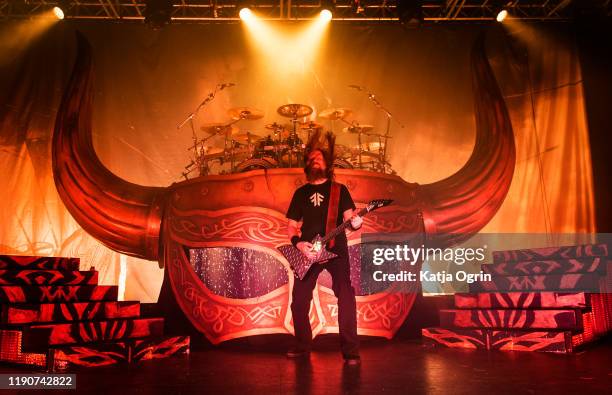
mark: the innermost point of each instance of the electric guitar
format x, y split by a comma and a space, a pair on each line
300, 263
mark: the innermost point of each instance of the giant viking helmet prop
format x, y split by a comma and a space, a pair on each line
246, 211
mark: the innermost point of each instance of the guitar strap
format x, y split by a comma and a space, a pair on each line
332, 210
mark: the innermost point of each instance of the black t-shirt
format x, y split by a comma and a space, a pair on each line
310, 203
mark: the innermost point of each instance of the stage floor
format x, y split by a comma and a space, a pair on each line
398, 366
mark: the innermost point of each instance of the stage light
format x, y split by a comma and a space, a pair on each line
18, 36
327, 10
325, 15
246, 14
58, 12
499, 8
244, 10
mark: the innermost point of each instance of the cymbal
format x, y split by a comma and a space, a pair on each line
311, 125
274, 126
245, 137
206, 149
245, 113
219, 128
294, 110
363, 129
212, 150
335, 113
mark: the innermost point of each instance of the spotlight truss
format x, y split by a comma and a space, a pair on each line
345, 10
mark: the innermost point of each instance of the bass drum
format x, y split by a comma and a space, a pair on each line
256, 164
342, 164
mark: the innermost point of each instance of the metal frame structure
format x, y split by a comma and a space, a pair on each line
344, 10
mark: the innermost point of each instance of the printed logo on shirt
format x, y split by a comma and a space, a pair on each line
316, 199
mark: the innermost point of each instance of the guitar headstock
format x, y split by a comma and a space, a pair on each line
378, 203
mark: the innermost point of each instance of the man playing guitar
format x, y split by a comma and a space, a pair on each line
310, 204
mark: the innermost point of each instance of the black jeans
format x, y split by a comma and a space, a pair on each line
339, 269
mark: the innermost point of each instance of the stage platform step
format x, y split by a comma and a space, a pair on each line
573, 282
543, 299
22, 262
551, 253
511, 319
71, 357
56, 293
66, 358
48, 277
21, 313
54, 317
503, 340
547, 267
521, 300
38, 337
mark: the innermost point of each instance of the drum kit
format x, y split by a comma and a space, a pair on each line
283, 144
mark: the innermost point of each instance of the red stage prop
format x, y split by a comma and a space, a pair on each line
22, 262
57, 327
48, 277
532, 321
38, 337
65, 312
247, 211
511, 319
520, 300
56, 293
559, 266
541, 282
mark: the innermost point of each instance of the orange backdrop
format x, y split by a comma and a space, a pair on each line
148, 81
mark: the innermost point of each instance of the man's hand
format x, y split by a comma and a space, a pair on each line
356, 221
306, 249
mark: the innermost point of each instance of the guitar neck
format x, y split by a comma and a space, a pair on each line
340, 228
